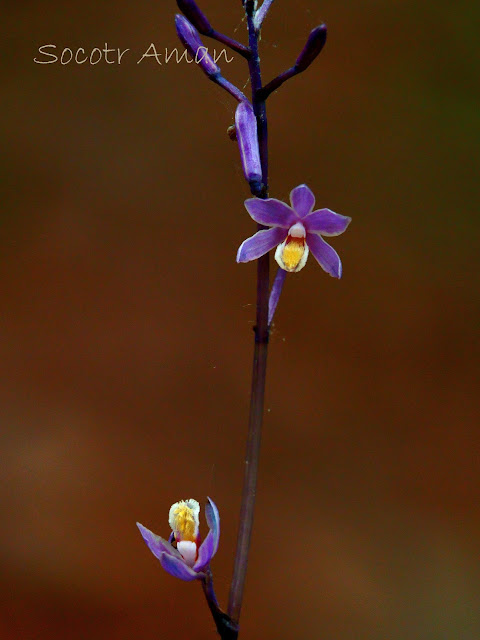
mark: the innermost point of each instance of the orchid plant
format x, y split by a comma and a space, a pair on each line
294, 231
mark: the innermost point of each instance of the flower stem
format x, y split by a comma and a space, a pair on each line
229, 42
228, 86
277, 82
226, 629
260, 347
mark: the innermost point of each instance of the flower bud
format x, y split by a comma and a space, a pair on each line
315, 43
192, 12
192, 43
246, 128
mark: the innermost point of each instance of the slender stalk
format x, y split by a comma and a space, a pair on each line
226, 629
230, 42
260, 347
228, 86
277, 82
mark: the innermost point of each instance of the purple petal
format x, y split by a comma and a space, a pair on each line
261, 243
156, 544
302, 200
177, 568
213, 521
271, 212
325, 255
246, 127
326, 222
205, 552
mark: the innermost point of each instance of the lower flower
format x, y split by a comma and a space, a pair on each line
188, 559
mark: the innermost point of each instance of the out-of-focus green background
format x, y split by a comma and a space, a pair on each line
126, 326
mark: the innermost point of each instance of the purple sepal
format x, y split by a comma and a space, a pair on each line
157, 545
302, 200
213, 520
260, 244
193, 13
326, 222
191, 41
205, 553
209, 546
246, 127
315, 43
325, 255
177, 568
271, 212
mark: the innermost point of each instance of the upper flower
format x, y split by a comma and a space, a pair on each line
190, 558
295, 231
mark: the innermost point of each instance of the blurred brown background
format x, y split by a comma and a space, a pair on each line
126, 326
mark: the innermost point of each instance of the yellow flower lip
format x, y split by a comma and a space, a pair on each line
183, 520
292, 254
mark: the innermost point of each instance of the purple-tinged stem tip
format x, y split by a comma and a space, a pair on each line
315, 43
195, 15
261, 14
247, 136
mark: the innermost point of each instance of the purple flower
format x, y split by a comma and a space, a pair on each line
295, 231
190, 558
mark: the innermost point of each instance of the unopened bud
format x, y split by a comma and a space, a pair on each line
315, 43
192, 43
246, 127
192, 12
